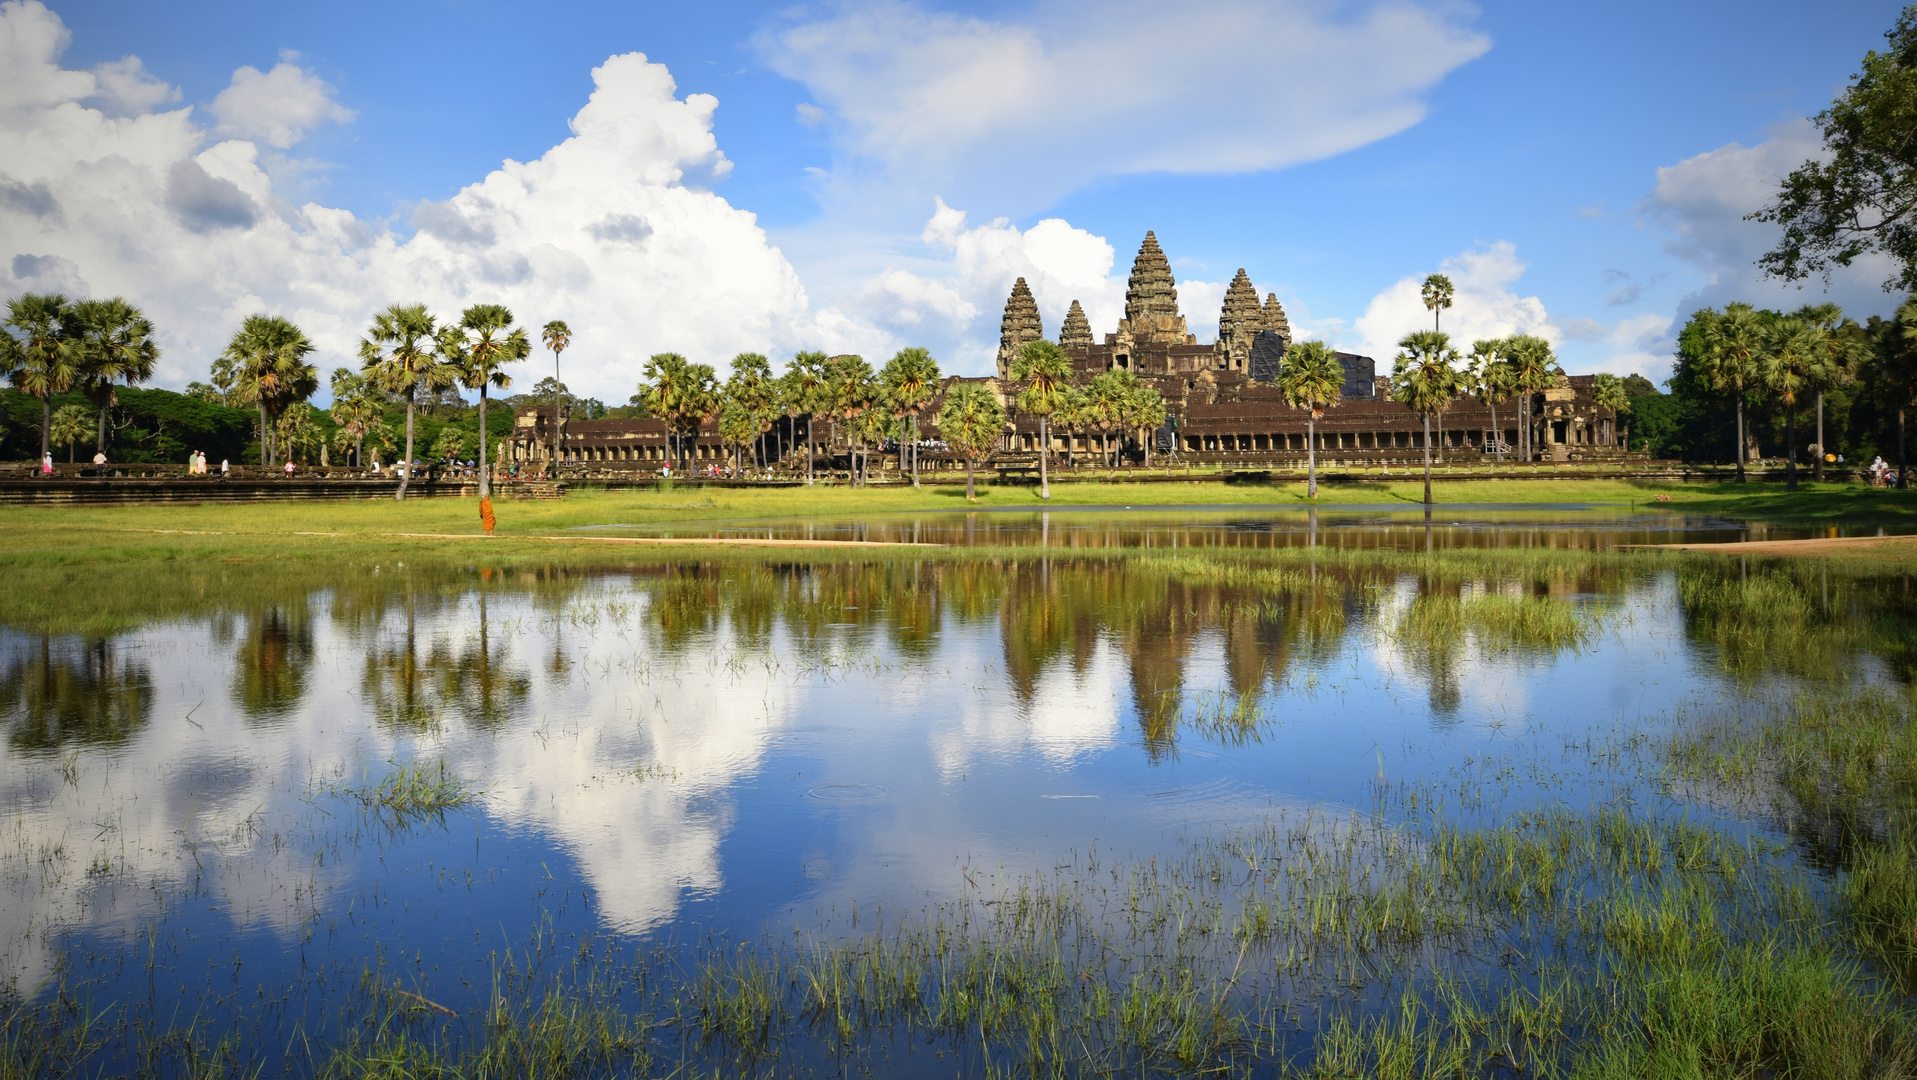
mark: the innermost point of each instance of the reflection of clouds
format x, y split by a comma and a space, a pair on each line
1073, 711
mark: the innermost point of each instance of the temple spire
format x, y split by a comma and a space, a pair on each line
1020, 325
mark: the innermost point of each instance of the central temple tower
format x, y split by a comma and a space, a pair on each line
1151, 300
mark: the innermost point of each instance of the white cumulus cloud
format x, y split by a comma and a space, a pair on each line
1017, 110
1484, 305
611, 229
276, 107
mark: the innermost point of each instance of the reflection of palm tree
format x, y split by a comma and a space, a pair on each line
480, 684
63, 691
395, 681
273, 661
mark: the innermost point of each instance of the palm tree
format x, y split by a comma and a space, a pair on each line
45, 359
557, 336
1849, 349
70, 424
1490, 378
849, 389
751, 386
1044, 373
1425, 379
268, 361
911, 377
803, 380
683, 394
970, 421
116, 343
1732, 360
1144, 410
488, 341
1607, 392
1533, 368
400, 354
1795, 360
356, 409
1310, 377
1105, 398
1437, 294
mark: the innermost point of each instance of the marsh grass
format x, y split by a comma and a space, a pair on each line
411, 792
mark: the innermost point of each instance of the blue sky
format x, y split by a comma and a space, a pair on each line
1582, 169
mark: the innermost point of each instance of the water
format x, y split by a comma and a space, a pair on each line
666, 753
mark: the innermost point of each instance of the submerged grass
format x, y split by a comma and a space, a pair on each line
412, 792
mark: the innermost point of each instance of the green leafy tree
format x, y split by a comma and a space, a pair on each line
1607, 392
484, 343
737, 427
270, 371
298, 433
752, 387
802, 389
1311, 378
849, 390
401, 355
910, 379
1795, 362
1437, 292
1533, 368
1104, 409
358, 409
1892, 373
1425, 377
1144, 410
971, 421
450, 444
1732, 359
71, 423
683, 394
1849, 347
1489, 377
556, 336
116, 345
1860, 195
1043, 373
44, 358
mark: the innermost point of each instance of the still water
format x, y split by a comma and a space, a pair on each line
747, 751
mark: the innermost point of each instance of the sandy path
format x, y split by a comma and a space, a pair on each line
724, 541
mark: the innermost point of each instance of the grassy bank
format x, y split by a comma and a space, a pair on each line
82, 534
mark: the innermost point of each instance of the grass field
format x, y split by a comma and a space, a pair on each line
243, 531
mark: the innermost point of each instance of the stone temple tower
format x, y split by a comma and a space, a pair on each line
1239, 323
1275, 320
1151, 300
1077, 331
1020, 325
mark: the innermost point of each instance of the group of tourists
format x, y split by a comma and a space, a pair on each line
196, 464
1881, 473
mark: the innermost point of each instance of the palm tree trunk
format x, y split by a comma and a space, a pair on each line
1790, 449
970, 497
266, 446
485, 486
1044, 454
1311, 456
359, 451
406, 475
1427, 460
808, 449
1740, 438
915, 451
1903, 474
1817, 461
46, 425
100, 447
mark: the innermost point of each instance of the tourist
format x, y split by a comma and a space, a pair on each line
99, 459
289, 470
46, 464
223, 467
1877, 467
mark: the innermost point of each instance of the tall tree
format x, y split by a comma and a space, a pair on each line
557, 336
910, 378
400, 354
683, 394
486, 342
752, 386
804, 382
1795, 361
970, 421
1144, 411
357, 408
45, 358
849, 390
1043, 373
1311, 378
1437, 293
1849, 348
1893, 370
1860, 195
1491, 379
1105, 398
71, 424
1533, 368
1425, 378
1607, 392
116, 345
1732, 361
268, 357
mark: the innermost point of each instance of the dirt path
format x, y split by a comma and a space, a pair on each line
724, 541
1829, 545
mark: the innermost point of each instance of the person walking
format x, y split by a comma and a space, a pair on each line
46, 464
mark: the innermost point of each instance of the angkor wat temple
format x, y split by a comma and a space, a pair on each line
1221, 402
